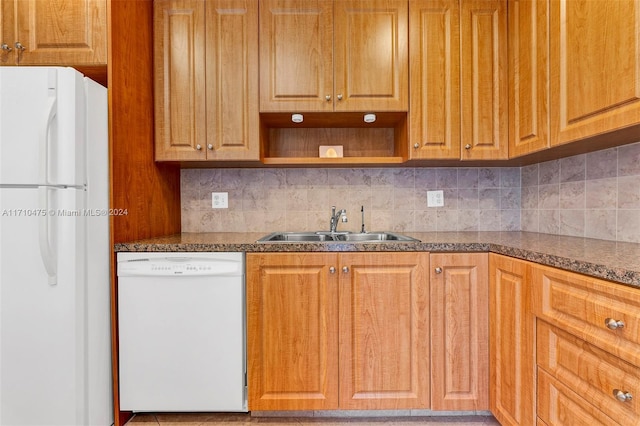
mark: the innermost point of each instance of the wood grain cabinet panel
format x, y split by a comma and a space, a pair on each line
560, 405
528, 39
292, 329
325, 55
511, 342
594, 67
206, 80
338, 331
592, 373
585, 307
484, 90
459, 331
434, 69
384, 331
55, 32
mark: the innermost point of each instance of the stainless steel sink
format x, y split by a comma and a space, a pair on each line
335, 237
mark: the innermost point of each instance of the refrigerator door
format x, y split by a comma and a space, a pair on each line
42, 129
42, 321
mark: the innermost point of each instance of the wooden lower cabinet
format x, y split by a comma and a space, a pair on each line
459, 288
511, 342
330, 331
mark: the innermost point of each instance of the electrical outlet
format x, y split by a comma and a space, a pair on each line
220, 200
435, 198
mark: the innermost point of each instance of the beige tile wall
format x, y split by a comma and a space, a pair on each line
594, 195
267, 200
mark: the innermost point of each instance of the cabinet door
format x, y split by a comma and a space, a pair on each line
384, 335
460, 331
232, 80
179, 59
511, 342
7, 34
371, 55
434, 27
296, 55
528, 76
292, 329
594, 67
60, 32
484, 79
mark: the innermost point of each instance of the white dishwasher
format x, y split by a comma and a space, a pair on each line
181, 319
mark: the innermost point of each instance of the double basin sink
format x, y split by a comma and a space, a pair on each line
337, 237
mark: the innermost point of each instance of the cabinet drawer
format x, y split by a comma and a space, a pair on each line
583, 305
591, 372
558, 405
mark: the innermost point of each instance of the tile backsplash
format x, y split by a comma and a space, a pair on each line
595, 195
394, 199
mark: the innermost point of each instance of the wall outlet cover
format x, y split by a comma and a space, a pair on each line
435, 198
220, 200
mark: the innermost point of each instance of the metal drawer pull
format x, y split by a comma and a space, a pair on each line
345, 269
438, 270
332, 269
622, 396
613, 324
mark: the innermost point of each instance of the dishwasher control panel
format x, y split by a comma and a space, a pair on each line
189, 265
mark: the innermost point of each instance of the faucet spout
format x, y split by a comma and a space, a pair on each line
335, 216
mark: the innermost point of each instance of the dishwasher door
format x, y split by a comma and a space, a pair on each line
182, 332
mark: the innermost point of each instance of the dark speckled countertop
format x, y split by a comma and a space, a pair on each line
615, 261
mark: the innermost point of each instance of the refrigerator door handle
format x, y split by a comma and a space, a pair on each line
47, 253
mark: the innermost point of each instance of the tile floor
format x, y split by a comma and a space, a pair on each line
209, 419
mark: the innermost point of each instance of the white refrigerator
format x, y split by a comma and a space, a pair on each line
55, 347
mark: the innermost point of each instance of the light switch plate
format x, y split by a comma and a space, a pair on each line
435, 198
220, 200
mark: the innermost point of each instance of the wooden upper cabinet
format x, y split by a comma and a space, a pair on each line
179, 56
484, 80
206, 80
384, 330
296, 55
434, 32
55, 32
459, 331
594, 67
232, 80
511, 342
325, 55
528, 76
371, 52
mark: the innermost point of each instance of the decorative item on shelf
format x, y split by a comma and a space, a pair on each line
330, 151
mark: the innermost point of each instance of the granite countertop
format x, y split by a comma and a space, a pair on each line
615, 261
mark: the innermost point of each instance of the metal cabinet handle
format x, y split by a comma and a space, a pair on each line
622, 396
328, 97
339, 97
199, 147
613, 324
210, 147
332, 270
345, 269
416, 145
19, 46
5, 47
438, 270
467, 146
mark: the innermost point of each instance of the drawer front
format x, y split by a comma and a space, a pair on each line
600, 312
560, 406
594, 374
